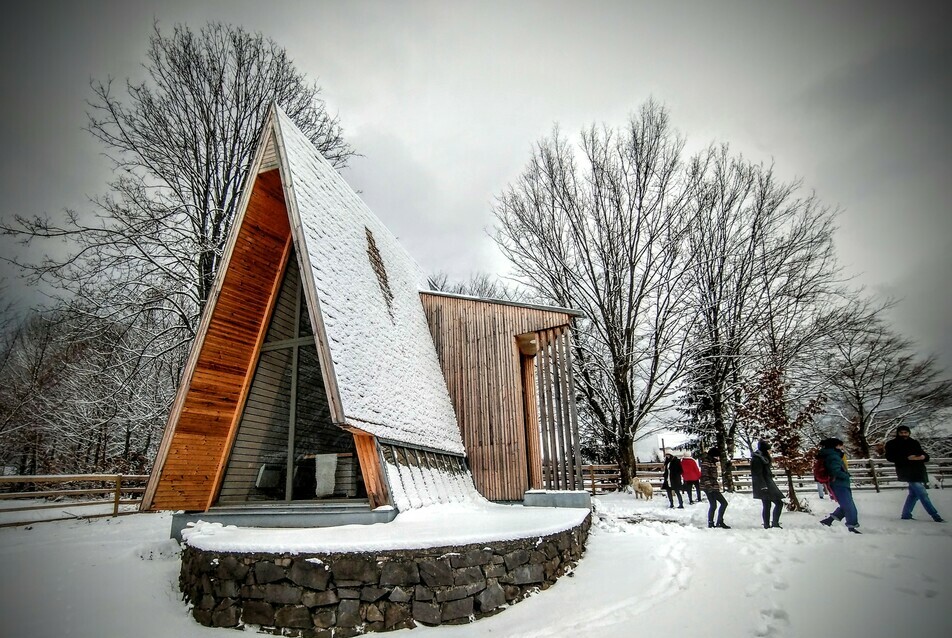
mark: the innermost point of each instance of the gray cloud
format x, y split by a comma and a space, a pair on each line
445, 99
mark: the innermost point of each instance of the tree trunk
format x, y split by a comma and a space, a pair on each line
626, 456
794, 505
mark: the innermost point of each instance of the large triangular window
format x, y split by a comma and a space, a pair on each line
286, 447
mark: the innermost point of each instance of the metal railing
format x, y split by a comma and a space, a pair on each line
124, 489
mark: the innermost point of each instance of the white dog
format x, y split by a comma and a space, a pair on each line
642, 489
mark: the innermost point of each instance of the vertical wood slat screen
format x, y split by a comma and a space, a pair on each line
558, 418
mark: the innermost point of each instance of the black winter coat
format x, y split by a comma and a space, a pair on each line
672, 474
762, 477
898, 451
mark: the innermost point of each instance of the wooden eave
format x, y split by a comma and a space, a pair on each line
506, 302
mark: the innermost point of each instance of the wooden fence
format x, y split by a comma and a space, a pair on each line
866, 474
124, 489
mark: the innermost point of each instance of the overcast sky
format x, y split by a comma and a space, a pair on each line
444, 100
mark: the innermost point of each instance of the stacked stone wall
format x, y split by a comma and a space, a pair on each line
342, 595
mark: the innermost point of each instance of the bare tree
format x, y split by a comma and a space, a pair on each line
67, 403
765, 262
181, 142
603, 229
482, 285
877, 381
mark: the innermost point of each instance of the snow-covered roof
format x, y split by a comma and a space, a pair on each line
364, 287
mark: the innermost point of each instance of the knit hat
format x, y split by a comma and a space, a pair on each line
831, 442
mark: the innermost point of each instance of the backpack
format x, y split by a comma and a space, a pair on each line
820, 475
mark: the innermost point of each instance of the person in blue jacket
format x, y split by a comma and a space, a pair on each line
831, 452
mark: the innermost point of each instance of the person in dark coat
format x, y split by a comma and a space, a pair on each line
672, 479
833, 457
691, 473
910, 460
712, 488
763, 484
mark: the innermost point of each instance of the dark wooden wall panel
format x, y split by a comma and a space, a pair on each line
226, 357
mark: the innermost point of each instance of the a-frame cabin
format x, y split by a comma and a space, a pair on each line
314, 377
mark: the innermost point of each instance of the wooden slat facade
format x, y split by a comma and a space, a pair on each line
491, 382
208, 409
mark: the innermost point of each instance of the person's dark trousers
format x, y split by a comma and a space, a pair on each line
846, 508
671, 497
768, 520
714, 497
696, 486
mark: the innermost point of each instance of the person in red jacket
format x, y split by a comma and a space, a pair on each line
691, 473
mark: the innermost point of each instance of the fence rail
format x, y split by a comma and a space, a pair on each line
125, 489
866, 474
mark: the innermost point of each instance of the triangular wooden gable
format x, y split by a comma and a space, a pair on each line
372, 331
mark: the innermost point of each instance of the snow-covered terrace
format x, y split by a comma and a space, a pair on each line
436, 525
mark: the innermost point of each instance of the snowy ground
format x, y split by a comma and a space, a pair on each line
662, 575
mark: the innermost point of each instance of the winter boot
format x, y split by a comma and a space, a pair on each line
828, 521
710, 524
853, 530
723, 525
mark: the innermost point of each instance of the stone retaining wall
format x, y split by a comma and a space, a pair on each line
344, 595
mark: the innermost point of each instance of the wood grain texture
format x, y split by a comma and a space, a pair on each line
491, 383
214, 388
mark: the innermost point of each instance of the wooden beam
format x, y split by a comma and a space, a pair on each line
371, 468
530, 402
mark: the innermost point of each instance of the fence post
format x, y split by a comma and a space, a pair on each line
872, 473
115, 502
591, 476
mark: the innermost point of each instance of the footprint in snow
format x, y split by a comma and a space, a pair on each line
772, 621
866, 574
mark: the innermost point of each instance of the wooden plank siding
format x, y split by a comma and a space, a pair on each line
221, 375
476, 342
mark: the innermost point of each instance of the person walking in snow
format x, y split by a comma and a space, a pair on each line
691, 474
672, 479
910, 460
834, 460
764, 486
712, 488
